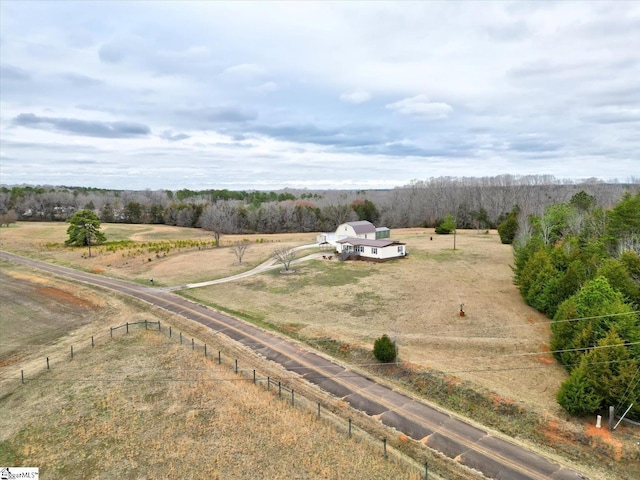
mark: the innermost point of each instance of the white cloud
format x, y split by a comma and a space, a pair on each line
272, 74
420, 106
266, 87
244, 71
355, 97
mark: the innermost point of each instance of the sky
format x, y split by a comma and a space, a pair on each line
344, 95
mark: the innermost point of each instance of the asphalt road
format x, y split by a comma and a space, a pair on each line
495, 456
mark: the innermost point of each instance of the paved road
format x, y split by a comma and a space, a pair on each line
494, 456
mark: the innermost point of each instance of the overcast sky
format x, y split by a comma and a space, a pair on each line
242, 95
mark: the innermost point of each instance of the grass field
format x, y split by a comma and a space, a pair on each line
500, 345
143, 407
416, 300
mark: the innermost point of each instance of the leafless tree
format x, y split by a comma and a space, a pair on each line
239, 248
285, 256
8, 218
219, 218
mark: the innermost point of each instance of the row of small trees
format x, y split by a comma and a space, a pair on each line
580, 265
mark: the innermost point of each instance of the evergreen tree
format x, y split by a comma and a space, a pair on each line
509, 228
384, 349
577, 396
84, 229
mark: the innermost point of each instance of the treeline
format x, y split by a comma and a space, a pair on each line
579, 263
480, 203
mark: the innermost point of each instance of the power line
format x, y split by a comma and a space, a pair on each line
521, 354
629, 389
504, 327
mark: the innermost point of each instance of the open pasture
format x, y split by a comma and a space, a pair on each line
499, 344
142, 406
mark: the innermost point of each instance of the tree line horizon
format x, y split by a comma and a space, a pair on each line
474, 203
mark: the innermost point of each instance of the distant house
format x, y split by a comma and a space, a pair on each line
363, 240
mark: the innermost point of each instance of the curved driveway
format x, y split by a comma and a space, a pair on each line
476, 448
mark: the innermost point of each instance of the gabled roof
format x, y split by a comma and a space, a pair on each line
362, 227
366, 242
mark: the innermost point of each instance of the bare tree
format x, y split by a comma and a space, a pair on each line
285, 256
8, 218
239, 249
219, 218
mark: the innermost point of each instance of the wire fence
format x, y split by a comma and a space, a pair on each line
282, 389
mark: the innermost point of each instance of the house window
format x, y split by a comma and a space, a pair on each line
374, 250
400, 249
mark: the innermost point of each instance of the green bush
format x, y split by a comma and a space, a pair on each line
446, 226
509, 228
384, 349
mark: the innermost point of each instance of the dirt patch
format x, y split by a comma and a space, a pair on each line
546, 360
64, 297
604, 435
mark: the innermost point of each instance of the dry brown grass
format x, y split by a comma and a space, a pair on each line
352, 303
418, 298
143, 407
188, 264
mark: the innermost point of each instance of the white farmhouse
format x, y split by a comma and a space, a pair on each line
363, 240
365, 249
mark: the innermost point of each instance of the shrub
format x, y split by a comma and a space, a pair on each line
446, 226
384, 349
509, 228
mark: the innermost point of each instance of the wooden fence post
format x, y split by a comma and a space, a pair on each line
193, 345
349, 428
180, 338
318, 409
145, 324
127, 327
47, 363
384, 447
236, 365
219, 358
292, 399
254, 377
111, 328
71, 352
92, 344
426, 470
205, 349
22, 376
169, 332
